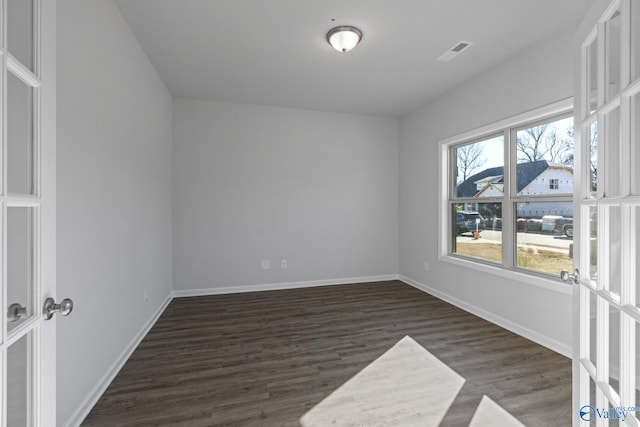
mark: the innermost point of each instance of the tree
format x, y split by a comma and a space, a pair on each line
593, 161
469, 159
543, 142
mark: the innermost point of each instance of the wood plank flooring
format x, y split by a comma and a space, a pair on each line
267, 358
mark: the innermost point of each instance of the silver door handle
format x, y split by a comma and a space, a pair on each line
566, 276
16, 312
50, 308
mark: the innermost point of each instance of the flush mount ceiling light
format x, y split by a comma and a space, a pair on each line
344, 38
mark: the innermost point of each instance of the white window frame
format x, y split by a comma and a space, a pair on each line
508, 223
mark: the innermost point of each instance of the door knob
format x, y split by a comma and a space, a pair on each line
50, 308
16, 312
566, 276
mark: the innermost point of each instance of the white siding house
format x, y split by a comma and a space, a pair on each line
556, 179
539, 178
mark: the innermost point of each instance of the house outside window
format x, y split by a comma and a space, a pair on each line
509, 195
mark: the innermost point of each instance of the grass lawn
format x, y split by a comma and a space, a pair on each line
534, 259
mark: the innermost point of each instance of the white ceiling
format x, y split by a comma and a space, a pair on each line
274, 52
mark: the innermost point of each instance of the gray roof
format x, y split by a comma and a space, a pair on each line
526, 172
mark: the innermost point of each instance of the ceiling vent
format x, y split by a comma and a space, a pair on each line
454, 51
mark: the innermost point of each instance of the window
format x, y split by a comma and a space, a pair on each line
509, 194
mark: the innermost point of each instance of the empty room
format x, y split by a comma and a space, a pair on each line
320, 213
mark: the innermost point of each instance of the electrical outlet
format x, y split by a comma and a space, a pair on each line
283, 264
426, 266
146, 294
265, 264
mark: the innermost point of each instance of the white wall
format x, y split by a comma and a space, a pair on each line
535, 77
114, 196
256, 183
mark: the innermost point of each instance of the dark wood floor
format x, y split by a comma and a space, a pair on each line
265, 359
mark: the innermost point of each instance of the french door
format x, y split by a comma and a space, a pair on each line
607, 292
27, 211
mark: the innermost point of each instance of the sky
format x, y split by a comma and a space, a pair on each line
494, 150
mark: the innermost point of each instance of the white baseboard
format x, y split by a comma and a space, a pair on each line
281, 286
92, 398
516, 328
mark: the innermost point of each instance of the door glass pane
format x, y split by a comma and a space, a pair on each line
545, 158
544, 236
587, 408
480, 168
592, 221
477, 230
590, 416
637, 358
20, 259
593, 159
612, 142
635, 40
20, 38
612, 51
19, 385
20, 147
593, 354
635, 214
635, 144
592, 77
614, 348
614, 250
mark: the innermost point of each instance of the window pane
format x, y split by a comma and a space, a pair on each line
614, 249
635, 252
20, 147
593, 243
635, 39
614, 348
612, 52
544, 236
477, 230
592, 78
592, 403
545, 159
637, 414
635, 144
20, 31
613, 157
480, 168
20, 258
593, 328
18, 378
593, 161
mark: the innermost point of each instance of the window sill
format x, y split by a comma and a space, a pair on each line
550, 284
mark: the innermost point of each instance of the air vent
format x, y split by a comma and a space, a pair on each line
454, 51
460, 46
